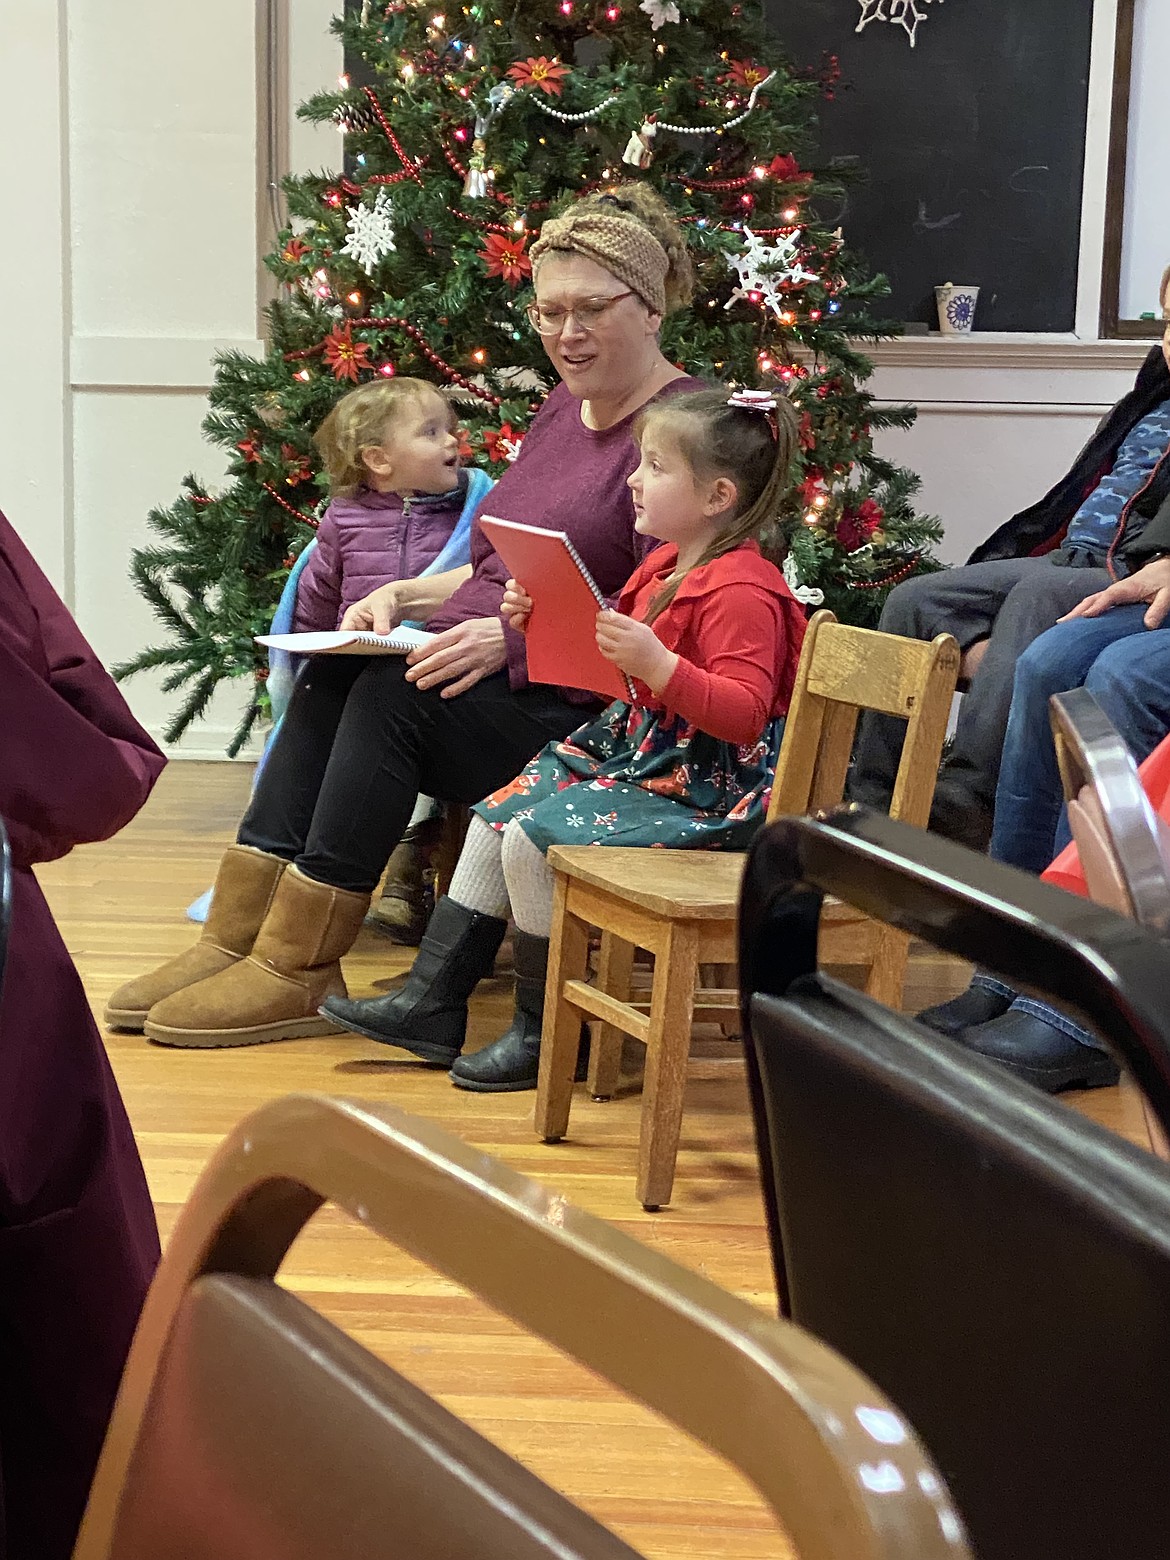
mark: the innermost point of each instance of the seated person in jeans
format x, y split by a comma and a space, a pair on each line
1100, 513
1116, 644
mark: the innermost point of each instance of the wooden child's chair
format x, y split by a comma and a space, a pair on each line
681, 905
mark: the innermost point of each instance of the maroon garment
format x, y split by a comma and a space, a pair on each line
78, 1241
367, 539
568, 478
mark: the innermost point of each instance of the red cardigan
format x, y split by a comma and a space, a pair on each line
736, 629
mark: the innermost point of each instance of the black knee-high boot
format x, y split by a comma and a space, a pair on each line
513, 1061
428, 1014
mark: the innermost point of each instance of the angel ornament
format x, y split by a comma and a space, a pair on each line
476, 184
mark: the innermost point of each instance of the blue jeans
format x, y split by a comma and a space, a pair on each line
1127, 667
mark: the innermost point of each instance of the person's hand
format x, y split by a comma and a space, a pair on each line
636, 648
1150, 584
379, 612
460, 657
516, 607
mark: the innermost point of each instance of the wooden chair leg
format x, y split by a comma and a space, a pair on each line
887, 972
615, 963
672, 1006
568, 959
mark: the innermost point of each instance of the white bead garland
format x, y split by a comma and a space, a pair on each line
575, 119
728, 124
661, 124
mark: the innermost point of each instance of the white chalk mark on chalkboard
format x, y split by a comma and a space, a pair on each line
903, 13
925, 224
1028, 188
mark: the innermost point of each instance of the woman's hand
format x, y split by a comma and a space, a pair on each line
1150, 584
379, 612
462, 656
636, 648
516, 607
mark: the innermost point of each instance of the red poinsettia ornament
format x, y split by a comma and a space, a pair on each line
856, 526
300, 468
249, 448
293, 250
744, 74
540, 72
505, 257
786, 170
502, 443
345, 356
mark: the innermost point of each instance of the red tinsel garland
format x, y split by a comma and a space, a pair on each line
901, 574
309, 520
409, 168
420, 342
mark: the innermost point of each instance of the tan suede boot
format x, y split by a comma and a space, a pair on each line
275, 992
244, 886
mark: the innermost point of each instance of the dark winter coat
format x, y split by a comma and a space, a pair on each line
368, 540
1144, 526
78, 1242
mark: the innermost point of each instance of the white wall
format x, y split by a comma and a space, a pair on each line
133, 132
1145, 250
129, 151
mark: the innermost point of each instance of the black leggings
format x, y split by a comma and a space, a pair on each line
357, 745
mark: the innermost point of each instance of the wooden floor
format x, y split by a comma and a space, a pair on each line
120, 907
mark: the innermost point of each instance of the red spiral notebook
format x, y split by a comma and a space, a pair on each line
561, 637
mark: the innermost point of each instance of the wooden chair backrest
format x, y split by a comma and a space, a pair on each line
248, 1426
843, 671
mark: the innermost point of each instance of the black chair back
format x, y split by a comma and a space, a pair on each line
997, 1263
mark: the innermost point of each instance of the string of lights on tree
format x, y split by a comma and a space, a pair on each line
463, 128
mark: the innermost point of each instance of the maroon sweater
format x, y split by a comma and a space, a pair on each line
568, 478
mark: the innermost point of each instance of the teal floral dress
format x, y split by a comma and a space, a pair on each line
638, 776
646, 775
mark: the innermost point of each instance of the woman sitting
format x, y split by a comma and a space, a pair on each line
458, 718
710, 634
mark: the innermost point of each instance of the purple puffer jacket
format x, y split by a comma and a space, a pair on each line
368, 540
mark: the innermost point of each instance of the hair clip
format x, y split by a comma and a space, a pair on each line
757, 401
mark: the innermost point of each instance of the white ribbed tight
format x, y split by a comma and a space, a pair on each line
501, 873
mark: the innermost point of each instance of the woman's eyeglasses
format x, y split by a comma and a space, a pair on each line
549, 319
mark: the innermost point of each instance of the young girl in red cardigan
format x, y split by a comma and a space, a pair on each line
710, 635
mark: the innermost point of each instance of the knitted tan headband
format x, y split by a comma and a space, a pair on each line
620, 243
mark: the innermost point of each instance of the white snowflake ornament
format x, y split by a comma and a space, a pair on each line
371, 232
903, 13
765, 269
660, 12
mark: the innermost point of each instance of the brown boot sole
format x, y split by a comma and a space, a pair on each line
125, 1018
260, 1034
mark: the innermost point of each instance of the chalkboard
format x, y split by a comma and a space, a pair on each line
972, 143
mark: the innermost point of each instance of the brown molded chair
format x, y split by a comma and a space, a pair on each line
998, 1263
249, 1428
1123, 845
681, 905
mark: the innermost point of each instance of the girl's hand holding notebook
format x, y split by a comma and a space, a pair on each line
636, 648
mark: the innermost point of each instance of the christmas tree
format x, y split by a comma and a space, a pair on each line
464, 128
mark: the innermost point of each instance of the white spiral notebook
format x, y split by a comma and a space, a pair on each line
400, 641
